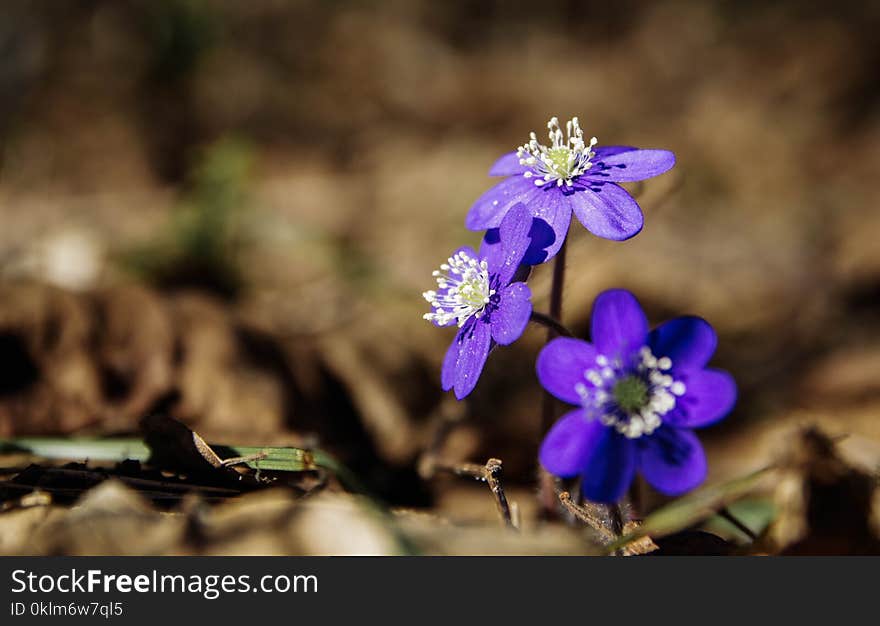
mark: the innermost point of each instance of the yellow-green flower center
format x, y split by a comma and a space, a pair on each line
560, 161
567, 157
463, 290
630, 393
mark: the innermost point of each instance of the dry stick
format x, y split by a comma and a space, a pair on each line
493, 479
490, 473
586, 518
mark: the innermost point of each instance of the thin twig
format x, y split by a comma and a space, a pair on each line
726, 514
609, 537
490, 473
493, 479
551, 324
581, 514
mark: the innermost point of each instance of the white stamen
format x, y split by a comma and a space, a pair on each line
466, 284
662, 392
566, 158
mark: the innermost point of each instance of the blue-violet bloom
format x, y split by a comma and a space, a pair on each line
477, 292
639, 395
570, 175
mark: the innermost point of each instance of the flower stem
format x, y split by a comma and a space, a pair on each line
551, 324
549, 402
549, 505
618, 521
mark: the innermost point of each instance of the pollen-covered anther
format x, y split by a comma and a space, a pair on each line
463, 290
566, 158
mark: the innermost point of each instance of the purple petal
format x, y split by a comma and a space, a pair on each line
514, 236
509, 320
607, 210
475, 338
569, 443
709, 396
618, 325
490, 248
466, 250
688, 341
447, 372
672, 460
508, 165
611, 465
552, 205
561, 366
492, 206
603, 152
631, 165
541, 236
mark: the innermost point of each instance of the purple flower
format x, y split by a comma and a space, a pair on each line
570, 175
639, 395
476, 291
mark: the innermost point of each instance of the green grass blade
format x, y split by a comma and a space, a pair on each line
79, 448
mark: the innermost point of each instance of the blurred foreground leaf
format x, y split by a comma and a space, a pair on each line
694, 508
281, 459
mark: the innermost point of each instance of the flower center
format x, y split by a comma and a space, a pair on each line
566, 158
630, 393
630, 397
463, 290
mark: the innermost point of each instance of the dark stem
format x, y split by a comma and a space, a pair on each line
550, 323
730, 517
549, 403
556, 288
549, 505
615, 513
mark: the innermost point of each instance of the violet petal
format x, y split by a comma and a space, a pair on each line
631, 166
507, 165
618, 324
509, 319
561, 366
474, 348
610, 467
709, 396
492, 206
672, 460
568, 444
688, 341
607, 210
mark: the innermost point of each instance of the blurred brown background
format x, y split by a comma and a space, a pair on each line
230, 209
